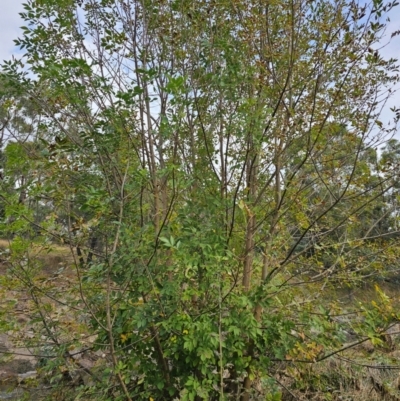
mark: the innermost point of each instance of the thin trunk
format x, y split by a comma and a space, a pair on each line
251, 223
249, 256
267, 257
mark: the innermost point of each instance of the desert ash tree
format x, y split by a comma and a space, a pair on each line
212, 168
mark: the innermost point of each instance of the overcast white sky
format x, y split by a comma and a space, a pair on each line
10, 22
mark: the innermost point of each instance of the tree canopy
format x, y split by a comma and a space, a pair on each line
214, 168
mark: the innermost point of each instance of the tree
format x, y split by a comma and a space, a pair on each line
203, 141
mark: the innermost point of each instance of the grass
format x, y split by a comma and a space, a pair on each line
342, 379
359, 374
52, 258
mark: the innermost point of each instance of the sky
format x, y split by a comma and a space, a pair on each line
10, 21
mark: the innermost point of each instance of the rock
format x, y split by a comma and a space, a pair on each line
10, 394
17, 366
394, 331
86, 363
7, 376
368, 346
28, 375
395, 355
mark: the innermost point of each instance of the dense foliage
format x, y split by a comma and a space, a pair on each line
214, 169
